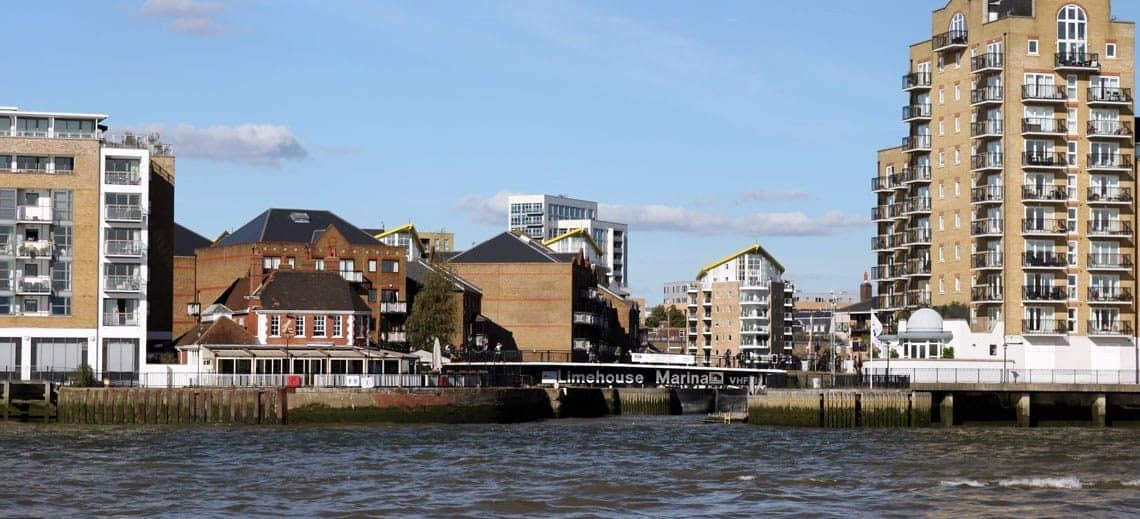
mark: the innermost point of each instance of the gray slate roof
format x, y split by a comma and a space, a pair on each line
328, 291
508, 248
187, 241
295, 226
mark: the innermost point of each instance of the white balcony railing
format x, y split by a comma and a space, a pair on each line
120, 319
124, 213
395, 336
34, 213
400, 307
129, 248
123, 178
34, 285
122, 283
34, 249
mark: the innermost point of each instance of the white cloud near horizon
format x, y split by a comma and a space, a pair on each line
250, 143
195, 17
668, 218
755, 194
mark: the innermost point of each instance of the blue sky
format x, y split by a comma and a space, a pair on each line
707, 126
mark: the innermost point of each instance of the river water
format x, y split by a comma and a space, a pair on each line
647, 466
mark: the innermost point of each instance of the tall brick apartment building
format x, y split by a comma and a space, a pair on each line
303, 240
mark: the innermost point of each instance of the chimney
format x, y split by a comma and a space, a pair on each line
865, 290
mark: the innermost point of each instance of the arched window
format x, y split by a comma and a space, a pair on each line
1072, 31
958, 24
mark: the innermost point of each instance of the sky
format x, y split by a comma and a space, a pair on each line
706, 126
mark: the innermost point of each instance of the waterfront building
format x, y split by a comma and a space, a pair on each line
1013, 189
741, 304
308, 240
556, 218
86, 220
550, 301
186, 244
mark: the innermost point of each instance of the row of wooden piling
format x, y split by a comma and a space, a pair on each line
839, 408
171, 406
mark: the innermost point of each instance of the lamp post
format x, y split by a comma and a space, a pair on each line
194, 308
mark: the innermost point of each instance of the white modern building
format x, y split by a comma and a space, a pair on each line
552, 219
74, 253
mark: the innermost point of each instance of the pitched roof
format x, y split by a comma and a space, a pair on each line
295, 226
418, 270
187, 241
861, 307
222, 331
234, 296
289, 290
751, 249
507, 248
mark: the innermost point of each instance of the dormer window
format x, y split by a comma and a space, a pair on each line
299, 217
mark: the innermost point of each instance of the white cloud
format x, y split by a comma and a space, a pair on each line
185, 16
657, 217
756, 194
489, 210
258, 144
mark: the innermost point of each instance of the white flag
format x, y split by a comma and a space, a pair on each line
876, 331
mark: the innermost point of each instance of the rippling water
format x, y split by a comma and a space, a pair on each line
656, 467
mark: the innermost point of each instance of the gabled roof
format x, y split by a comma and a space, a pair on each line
507, 248
862, 307
582, 232
187, 241
234, 296
752, 249
418, 271
222, 331
295, 226
320, 291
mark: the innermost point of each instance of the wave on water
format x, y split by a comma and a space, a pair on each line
1066, 483
962, 483
746, 478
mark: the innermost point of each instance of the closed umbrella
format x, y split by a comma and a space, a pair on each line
436, 357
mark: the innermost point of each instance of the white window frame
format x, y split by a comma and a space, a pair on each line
1110, 50
337, 326
299, 326
1033, 48
274, 325
372, 263
319, 326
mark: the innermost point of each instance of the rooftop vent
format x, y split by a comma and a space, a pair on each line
299, 217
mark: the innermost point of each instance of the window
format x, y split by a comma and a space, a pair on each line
60, 305
31, 305
63, 164
1072, 32
1071, 183
299, 326
941, 286
941, 128
347, 265
5, 305
371, 265
941, 254
271, 262
993, 347
941, 93
957, 123
957, 152
1072, 253
941, 223
390, 266
318, 326
941, 159
371, 296
1071, 152
275, 326
957, 96
1071, 87
1072, 121
941, 191
1032, 47
957, 221
1072, 220
1072, 319
957, 284
1110, 50
957, 253
941, 67
319, 264
336, 326
957, 188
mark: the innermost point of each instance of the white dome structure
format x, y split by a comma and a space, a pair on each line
924, 320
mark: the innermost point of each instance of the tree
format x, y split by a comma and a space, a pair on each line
677, 318
433, 310
656, 315
84, 376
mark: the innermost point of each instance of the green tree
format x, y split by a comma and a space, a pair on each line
656, 315
433, 311
676, 317
84, 376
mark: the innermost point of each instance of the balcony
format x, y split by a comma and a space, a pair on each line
917, 298
916, 113
917, 205
120, 319
987, 161
399, 337
880, 243
1044, 127
352, 276
882, 272
1044, 93
1044, 260
1109, 261
916, 81
394, 307
33, 285
986, 194
122, 283
887, 183
1109, 295
919, 236
1109, 96
1076, 61
916, 143
986, 260
916, 174
583, 344
33, 213
587, 318
1044, 294
1110, 228
125, 248
949, 40
1110, 130
1111, 328
1109, 195
1043, 327
34, 249
881, 213
918, 267
1110, 162
1043, 159
985, 95
985, 294
1036, 193
986, 129
122, 178
123, 213
1044, 226
986, 227
988, 62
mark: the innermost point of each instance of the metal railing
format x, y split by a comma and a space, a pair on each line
1110, 260
1108, 128
1044, 125
988, 259
1045, 193
1034, 92
921, 111
956, 37
990, 127
987, 160
400, 307
1046, 159
352, 276
120, 319
916, 80
125, 213
986, 94
122, 283
1110, 95
991, 193
1044, 259
1088, 60
123, 247
1110, 194
1109, 295
309, 380
123, 178
1008, 375
989, 60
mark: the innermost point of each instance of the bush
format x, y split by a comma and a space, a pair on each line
948, 352
84, 376
894, 354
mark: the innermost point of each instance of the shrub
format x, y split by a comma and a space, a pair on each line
84, 376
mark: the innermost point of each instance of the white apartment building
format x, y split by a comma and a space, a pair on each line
554, 219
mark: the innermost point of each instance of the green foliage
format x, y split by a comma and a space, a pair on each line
433, 312
84, 376
953, 310
669, 315
894, 354
168, 357
948, 352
